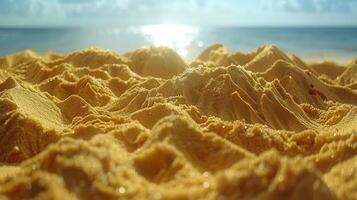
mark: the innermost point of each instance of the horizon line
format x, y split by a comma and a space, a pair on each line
179, 24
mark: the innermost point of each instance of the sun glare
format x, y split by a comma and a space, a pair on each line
177, 37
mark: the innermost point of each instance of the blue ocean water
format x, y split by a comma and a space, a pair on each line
189, 41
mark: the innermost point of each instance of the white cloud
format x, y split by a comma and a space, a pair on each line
154, 11
310, 6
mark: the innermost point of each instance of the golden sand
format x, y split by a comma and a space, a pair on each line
148, 125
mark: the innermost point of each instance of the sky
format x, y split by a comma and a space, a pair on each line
193, 12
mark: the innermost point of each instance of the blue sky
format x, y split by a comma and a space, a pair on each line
196, 12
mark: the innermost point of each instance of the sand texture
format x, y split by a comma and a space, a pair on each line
146, 124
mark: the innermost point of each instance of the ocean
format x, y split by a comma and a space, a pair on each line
339, 44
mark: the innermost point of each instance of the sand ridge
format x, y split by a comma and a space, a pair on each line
146, 124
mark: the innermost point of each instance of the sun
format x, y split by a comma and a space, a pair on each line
177, 37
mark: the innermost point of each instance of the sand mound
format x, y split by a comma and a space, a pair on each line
157, 62
94, 124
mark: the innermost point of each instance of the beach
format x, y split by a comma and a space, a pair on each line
149, 123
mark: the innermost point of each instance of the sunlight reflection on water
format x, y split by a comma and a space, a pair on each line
177, 37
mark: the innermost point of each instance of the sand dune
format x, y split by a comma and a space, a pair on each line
147, 124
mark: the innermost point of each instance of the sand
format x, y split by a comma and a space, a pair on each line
146, 124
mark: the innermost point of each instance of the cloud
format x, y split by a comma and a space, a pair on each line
166, 11
109, 7
310, 6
